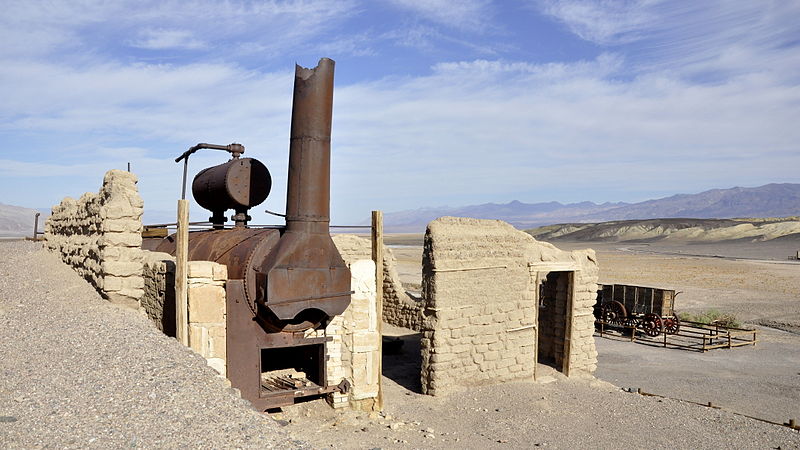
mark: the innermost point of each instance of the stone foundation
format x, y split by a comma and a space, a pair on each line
496, 300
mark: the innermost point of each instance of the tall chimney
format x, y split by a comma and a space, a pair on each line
303, 280
308, 189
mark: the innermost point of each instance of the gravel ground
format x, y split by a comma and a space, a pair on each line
79, 372
564, 413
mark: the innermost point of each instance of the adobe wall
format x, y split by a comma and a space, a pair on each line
398, 308
158, 299
99, 235
480, 283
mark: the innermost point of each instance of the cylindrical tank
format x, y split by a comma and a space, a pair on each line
240, 183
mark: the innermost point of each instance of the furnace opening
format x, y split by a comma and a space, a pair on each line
292, 368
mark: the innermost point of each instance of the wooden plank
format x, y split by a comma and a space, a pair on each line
553, 266
565, 363
181, 280
377, 257
538, 282
154, 232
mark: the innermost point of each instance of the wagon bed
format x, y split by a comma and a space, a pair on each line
652, 311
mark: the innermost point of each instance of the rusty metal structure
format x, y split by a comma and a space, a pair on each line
282, 281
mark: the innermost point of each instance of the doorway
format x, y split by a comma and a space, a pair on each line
554, 319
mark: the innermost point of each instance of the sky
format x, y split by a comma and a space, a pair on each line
436, 102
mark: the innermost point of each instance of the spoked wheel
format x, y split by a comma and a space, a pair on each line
613, 313
632, 322
672, 325
651, 324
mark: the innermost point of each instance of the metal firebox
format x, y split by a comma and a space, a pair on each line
282, 281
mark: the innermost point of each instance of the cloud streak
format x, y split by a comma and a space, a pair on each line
659, 108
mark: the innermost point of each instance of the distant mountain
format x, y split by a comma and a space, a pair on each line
771, 200
679, 230
18, 221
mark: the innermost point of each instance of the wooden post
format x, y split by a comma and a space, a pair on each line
570, 291
36, 226
377, 257
538, 281
181, 280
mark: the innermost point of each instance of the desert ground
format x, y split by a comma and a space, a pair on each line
754, 281
147, 391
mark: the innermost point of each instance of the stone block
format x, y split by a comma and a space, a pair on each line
124, 225
217, 342
198, 339
201, 269
220, 272
111, 283
121, 240
206, 304
217, 364
122, 268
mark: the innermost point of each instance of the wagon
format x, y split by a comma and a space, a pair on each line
648, 309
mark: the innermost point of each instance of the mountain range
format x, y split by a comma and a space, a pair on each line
771, 200
18, 221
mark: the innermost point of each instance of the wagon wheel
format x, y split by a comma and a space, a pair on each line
613, 313
632, 322
651, 324
672, 325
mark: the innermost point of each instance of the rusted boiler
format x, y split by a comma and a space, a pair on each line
282, 281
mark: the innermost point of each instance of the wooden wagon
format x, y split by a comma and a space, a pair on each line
648, 309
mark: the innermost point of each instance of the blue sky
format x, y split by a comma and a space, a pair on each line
437, 102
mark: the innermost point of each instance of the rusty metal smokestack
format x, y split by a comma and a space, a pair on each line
304, 281
308, 189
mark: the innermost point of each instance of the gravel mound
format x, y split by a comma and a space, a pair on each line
79, 372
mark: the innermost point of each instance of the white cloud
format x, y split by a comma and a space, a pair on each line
40, 27
469, 130
168, 39
470, 15
604, 22
357, 45
713, 39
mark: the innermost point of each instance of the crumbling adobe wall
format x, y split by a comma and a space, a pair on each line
99, 235
480, 284
398, 308
158, 300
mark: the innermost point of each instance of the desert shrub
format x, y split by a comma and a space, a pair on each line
712, 317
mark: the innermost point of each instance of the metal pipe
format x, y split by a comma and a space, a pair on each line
308, 187
234, 149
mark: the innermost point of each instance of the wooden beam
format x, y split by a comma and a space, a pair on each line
181, 274
570, 291
377, 257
